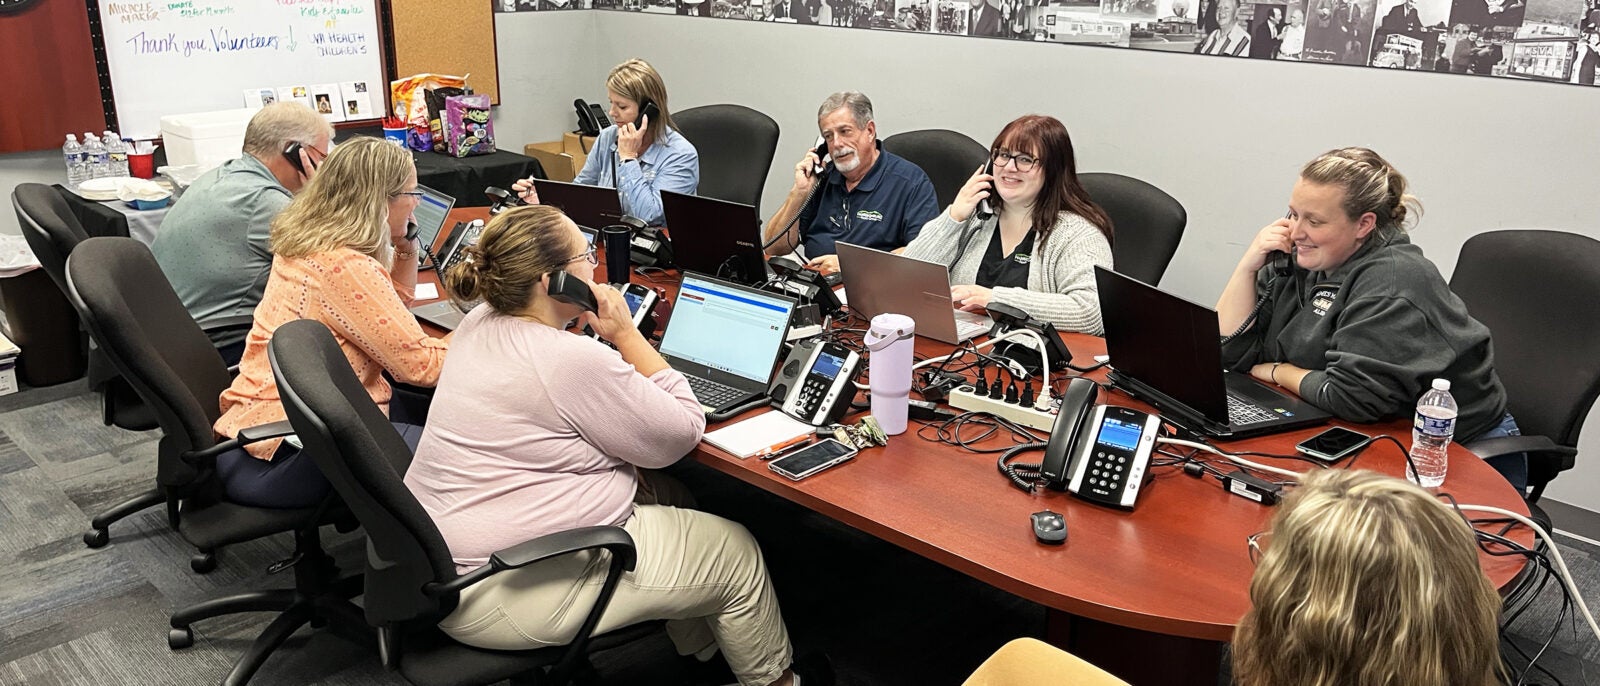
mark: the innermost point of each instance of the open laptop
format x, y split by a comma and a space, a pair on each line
592, 207
444, 313
1166, 351
433, 209
715, 237
876, 282
725, 339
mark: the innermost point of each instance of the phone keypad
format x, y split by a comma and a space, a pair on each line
811, 393
1107, 471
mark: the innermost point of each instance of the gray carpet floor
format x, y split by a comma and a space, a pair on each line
71, 615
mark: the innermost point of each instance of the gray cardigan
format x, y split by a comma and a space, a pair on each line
1061, 288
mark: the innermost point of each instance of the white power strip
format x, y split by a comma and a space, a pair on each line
967, 398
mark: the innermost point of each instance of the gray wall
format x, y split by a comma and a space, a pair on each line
1225, 137
24, 167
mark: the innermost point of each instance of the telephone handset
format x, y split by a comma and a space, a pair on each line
1113, 450
591, 118
1282, 263
823, 159
647, 110
292, 154
822, 393
1077, 403
985, 207
565, 287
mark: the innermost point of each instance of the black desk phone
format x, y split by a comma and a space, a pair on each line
453, 249
822, 393
1113, 454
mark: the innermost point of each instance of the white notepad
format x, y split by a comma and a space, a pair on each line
758, 433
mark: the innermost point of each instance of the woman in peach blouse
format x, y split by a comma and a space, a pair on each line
340, 256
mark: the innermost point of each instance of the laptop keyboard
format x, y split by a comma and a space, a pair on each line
712, 394
966, 328
1241, 413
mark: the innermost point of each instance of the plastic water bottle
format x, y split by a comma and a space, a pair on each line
72, 152
116, 153
94, 152
1430, 435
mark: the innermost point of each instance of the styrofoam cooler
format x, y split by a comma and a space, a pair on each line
889, 346
204, 138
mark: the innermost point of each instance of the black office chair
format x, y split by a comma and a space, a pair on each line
154, 344
1536, 291
736, 146
1148, 223
411, 580
53, 233
947, 157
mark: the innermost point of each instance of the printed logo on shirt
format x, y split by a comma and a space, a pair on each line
869, 215
1322, 299
1022, 257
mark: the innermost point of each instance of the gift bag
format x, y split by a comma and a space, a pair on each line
467, 128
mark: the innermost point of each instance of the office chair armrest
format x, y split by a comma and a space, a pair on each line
1506, 445
609, 538
247, 435
238, 321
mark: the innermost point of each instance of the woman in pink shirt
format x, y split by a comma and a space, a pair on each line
535, 430
341, 257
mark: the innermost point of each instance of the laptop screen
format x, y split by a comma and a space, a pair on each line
432, 210
722, 326
715, 237
594, 207
1163, 341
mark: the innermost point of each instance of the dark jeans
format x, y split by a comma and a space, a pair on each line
1513, 467
231, 353
290, 480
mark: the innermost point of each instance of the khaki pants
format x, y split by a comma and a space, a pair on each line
702, 573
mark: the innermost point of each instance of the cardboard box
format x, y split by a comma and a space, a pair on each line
562, 159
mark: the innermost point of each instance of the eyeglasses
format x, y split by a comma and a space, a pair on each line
587, 254
1025, 163
414, 194
1258, 544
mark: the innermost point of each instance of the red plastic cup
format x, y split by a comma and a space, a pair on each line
142, 166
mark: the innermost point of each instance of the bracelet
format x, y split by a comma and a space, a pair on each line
1274, 374
399, 253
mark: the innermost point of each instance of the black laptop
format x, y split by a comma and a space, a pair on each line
725, 339
593, 207
1165, 351
715, 237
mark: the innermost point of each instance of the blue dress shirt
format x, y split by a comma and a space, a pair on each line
669, 164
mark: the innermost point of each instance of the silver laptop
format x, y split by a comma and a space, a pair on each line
876, 282
725, 339
443, 314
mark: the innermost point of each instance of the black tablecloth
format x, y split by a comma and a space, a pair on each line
97, 219
465, 178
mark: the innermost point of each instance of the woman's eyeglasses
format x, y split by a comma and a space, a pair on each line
587, 254
1025, 163
1258, 544
414, 194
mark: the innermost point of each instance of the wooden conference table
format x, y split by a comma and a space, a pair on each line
1150, 594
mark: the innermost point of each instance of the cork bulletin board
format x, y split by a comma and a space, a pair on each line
447, 37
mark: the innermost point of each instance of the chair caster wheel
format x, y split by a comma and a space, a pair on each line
96, 538
178, 639
203, 563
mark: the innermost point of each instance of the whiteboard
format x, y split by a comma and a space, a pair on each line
183, 56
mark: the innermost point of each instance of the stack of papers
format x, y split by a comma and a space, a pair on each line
761, 434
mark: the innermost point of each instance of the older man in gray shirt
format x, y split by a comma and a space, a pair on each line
213, 243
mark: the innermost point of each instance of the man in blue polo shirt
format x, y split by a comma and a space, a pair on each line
866, 196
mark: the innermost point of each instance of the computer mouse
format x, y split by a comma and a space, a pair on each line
1049, 527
